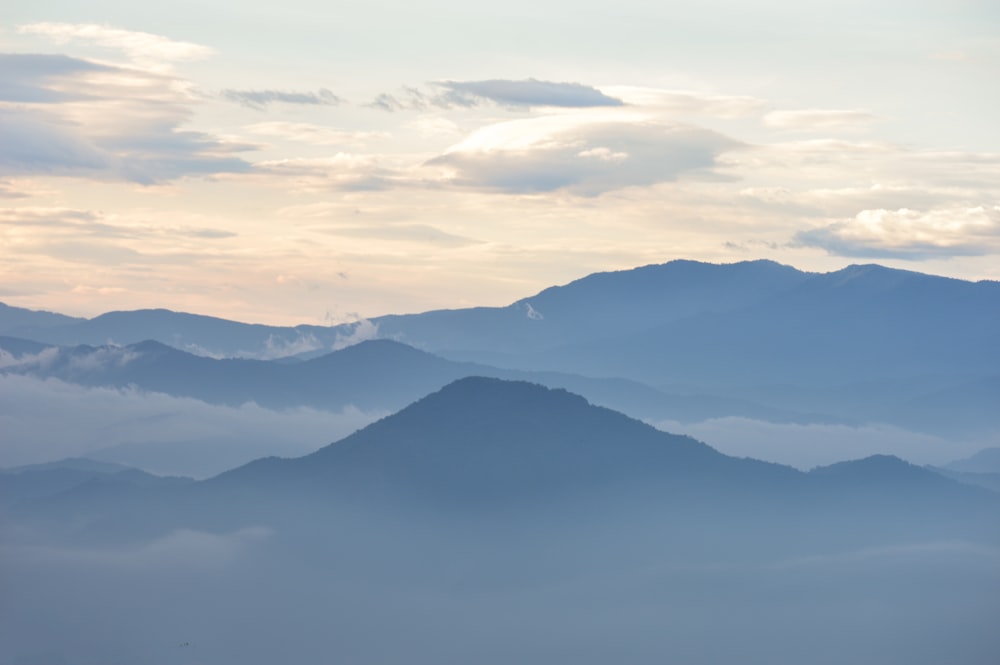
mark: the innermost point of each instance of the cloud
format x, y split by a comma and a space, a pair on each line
260, 99
44, 78
910, 234
360, 331
410, 99
280, 347
844, 201
526, 93
313, 134
83, 235
158, 432
819, 119
40, 144
585, 154
343, 171
431, 125
138, 46
71, 117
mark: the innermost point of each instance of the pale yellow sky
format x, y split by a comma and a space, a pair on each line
286, 177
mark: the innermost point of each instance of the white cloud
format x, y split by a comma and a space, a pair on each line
432, 125
361, 330
141, 47
342, 171
913, 234
687, 102
73, 117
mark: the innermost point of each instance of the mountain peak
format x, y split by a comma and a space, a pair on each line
483, 439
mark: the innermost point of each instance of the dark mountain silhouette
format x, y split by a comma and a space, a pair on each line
603, 306
859, 323
15, 321
533, 457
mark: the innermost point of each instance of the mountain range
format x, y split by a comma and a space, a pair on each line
680, 342
483, 447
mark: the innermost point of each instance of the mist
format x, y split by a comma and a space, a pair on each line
47, 420
237, 599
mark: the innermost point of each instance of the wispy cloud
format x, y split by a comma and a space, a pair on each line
687, 102
71, 117
409, 233
313, 134
159, 432
261, 99
819, 119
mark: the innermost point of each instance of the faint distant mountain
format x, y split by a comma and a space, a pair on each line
379, 375
987, 480
204, 335
986, 460
37, 481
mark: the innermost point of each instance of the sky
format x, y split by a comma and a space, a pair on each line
307, 162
